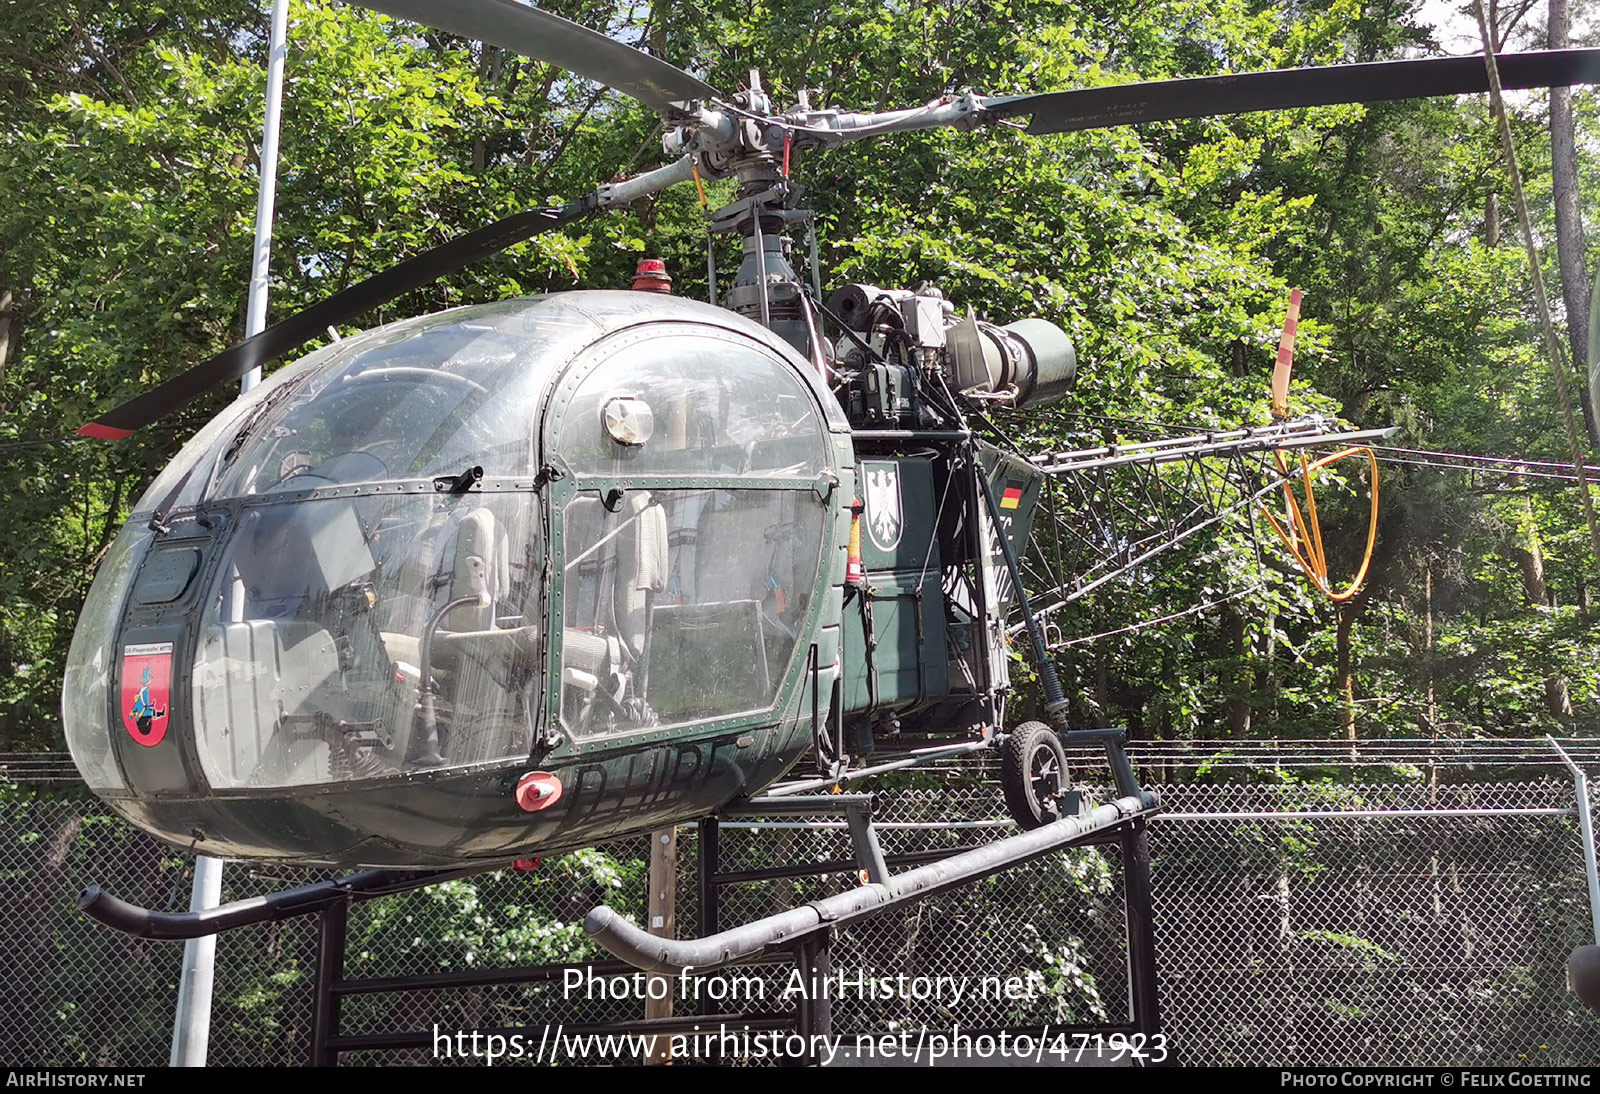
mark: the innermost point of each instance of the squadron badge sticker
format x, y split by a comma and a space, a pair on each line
884, 519
146, 691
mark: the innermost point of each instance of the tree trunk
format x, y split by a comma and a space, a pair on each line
1569, 221
489, 65
1236, 679
5, 330
1530, 559
1558, 697
1266, 679
1347, 613
1430, 709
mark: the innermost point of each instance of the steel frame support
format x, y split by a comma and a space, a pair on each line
1580, 786
814, 1017
332, 922
857, 810
709, 914
1144, 999
811, 950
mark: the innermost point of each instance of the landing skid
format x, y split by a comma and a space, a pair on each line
809, 925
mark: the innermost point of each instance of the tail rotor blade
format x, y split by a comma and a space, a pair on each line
1383, 81
341, 307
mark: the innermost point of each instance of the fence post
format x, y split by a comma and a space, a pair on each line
332, 923
709, 850
708, 916
661, 908
1580, 784
1143, 992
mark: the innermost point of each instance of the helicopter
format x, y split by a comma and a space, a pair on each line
516, 578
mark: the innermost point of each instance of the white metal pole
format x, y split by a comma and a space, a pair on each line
256, 310
191, 1028
1580, 786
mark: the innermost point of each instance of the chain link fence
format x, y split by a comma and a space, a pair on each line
1384, 924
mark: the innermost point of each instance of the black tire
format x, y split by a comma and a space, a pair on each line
1033, 772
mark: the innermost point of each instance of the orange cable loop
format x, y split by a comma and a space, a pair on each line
1304, 526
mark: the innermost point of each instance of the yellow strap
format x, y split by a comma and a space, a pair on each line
694, 169
1303, 536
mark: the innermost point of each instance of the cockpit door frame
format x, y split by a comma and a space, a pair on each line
564, 485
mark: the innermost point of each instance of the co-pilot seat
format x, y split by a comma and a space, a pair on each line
449, 631
616, 562
273, 665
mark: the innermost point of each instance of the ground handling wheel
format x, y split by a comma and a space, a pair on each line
1033, 773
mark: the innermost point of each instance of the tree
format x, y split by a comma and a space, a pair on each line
127, 153
1570, 248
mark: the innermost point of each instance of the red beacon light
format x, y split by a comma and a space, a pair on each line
651, 276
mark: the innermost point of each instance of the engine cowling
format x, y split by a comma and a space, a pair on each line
1025, 363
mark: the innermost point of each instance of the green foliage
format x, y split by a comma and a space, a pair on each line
128, 157
129, 168
490, 922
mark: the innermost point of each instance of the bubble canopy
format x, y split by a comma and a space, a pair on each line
426, 558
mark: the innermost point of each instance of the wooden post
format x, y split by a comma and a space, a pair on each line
662, 915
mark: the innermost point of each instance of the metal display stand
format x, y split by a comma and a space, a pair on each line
801, 937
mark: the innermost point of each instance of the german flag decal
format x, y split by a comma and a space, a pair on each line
1012, 497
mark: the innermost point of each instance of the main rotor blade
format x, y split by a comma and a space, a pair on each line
341, 307
1383, 81
545, 37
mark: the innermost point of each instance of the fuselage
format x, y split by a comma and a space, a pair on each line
594, 539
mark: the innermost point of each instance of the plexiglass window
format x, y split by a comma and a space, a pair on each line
682, 605
85, 692
679, 604
433, 397
354, 637
715, 404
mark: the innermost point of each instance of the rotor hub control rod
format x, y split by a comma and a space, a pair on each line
786, 929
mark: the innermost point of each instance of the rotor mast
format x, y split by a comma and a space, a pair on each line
744, 140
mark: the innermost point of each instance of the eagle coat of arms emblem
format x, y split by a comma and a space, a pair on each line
885, 519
